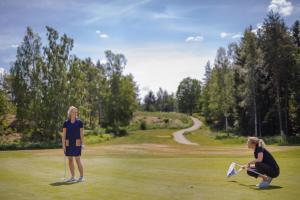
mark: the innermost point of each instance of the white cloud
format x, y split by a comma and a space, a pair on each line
2, 71
258, 26
224, 34
165, 65
156, 65
103, 35
198, 38
238, 35
231, 35
283, 7
110, 10
14, 46
103, 61
164, 16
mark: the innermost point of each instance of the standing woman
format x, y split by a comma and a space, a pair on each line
264, 162
72, 142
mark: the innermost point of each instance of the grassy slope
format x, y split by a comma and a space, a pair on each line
160, 120
141, 174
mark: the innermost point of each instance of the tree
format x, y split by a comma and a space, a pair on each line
54, 80
296, 33
207, 73
294, 105
25, 81
188, 96
249, 71
224, 83
277, 55
121, 100
205, 91
150, 102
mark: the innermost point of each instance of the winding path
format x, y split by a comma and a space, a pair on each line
179, 137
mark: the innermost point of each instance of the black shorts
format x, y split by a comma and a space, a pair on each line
73, 151
265, 169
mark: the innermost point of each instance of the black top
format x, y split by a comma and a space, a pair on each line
267, 158
73, 130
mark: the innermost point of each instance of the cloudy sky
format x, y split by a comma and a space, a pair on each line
164, 41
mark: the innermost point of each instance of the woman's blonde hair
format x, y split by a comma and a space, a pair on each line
257, 141
70, 110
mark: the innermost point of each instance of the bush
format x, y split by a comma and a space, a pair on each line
122, 132
98, 131
143, 125
33, 145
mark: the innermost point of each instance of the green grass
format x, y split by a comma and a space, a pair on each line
147, 165
97, 138
35, 175
158, 136
207, 136
159, 120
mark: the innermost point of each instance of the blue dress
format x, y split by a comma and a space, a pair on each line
73, 141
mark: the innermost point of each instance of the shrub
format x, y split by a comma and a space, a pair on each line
143, 125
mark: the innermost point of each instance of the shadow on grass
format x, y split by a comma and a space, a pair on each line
60, 183
271, 187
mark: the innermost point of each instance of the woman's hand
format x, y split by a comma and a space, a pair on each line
250, 164
244, 166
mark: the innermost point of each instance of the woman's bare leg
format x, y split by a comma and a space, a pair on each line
79, 164
71, 165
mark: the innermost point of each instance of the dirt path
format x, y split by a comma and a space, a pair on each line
179, 135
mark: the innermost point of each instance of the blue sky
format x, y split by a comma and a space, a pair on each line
163, 40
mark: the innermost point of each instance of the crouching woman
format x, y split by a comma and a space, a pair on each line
264, 163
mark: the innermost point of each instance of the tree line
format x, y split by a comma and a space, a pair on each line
252, 88
45, 80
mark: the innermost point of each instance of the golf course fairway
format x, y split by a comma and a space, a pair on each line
146, 165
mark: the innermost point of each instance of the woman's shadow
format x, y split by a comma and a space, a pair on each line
60, 183
271, 187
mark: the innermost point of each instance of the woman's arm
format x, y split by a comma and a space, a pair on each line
260, 157
81, 137
63, 139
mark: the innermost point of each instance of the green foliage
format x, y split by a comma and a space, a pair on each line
46, 80
163, 101
98, 138
143, 125
159, 120
188, 96
121, 101
254, 87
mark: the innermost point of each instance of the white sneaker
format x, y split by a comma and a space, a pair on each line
263, 184
81, 179
72, 179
